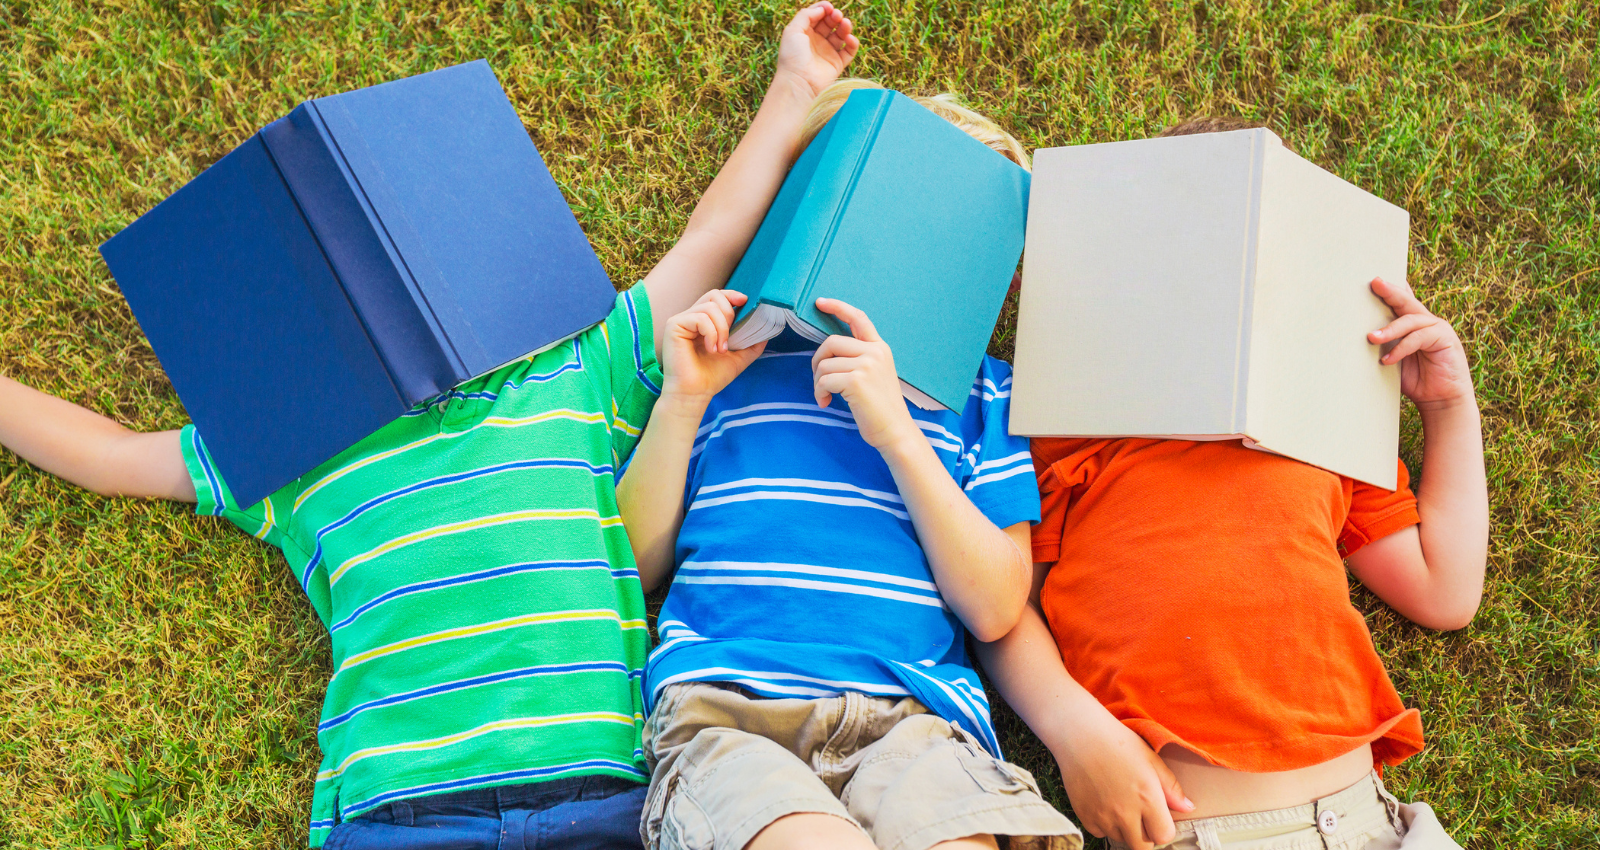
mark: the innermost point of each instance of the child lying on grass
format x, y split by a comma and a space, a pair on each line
812, 687
485, 616
1207, 644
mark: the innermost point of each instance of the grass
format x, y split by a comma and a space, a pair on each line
160, 676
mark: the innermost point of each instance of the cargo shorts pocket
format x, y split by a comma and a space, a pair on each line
990, 774
674, 819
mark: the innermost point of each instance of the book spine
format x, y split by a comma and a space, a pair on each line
424, 282
803, 306
1247, 284
375, 279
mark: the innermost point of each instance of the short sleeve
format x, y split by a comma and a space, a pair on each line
635, 372
997, 471
1376, 513
1066, 467
265, 520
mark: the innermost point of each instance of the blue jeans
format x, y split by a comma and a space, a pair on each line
579, 813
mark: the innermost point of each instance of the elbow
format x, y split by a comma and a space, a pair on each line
1452, 619
986, 633
996, 624
1449, 615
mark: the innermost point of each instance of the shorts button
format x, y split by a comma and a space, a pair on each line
1327, 822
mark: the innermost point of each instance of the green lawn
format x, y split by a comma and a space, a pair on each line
160, 676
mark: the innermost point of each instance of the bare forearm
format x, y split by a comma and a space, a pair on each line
1026, 667
650, 496
982, 574
88, 449
737, 199
1453, 500
729, 213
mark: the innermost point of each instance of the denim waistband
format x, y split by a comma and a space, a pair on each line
492, 802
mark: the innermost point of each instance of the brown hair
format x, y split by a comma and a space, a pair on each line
947, 106
1211, 124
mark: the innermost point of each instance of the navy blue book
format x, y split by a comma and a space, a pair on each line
367, 252
896, 211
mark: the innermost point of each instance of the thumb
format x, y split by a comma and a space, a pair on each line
746, 356
1177, 801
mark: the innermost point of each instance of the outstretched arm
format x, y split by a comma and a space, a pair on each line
814, 48
1433, 573
90, 450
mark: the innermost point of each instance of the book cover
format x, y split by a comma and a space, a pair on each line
1212, 286
368, 251
898, 212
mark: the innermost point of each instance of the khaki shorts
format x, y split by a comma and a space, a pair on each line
1364, 816
725, 765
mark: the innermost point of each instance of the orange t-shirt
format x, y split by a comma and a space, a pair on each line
1198, 592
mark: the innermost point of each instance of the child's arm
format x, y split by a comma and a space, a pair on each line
90, 450
814, 48
979, 568
1433, 573
1119, 788
697, 365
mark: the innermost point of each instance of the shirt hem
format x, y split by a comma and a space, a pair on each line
640, 776
1302, 752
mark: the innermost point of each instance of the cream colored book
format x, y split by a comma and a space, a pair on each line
1209, 287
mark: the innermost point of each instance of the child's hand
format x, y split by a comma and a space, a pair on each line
860, 367
1433, 363
815, 46
695, 356
1119, 788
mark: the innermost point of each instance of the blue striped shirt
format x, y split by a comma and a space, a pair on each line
799, 573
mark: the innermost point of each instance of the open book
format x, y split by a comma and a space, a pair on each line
894, 210
368, 251
1211, 286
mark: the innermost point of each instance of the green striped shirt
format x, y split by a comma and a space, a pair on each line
468, 560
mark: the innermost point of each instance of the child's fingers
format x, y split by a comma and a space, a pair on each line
1428, 338
839, 37
719, 313
1397, 296
835, 365
706, 330
1132, 834
1400, 327
837, 346
826, 386
861, 327
1157, 826
746, 356
724, 304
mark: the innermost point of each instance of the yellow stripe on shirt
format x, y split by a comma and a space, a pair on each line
488, 422
470, 525
483, 629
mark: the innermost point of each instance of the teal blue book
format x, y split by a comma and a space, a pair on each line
898, 212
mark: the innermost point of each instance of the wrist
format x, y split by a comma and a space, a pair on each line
904, 443
1467, 401
677, 404
790, 87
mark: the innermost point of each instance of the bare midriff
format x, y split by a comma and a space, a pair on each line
1218, 791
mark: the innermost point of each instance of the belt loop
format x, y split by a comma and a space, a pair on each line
1391, 805
1205, 834
402, 814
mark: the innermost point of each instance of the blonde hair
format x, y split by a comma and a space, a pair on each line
947, 106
